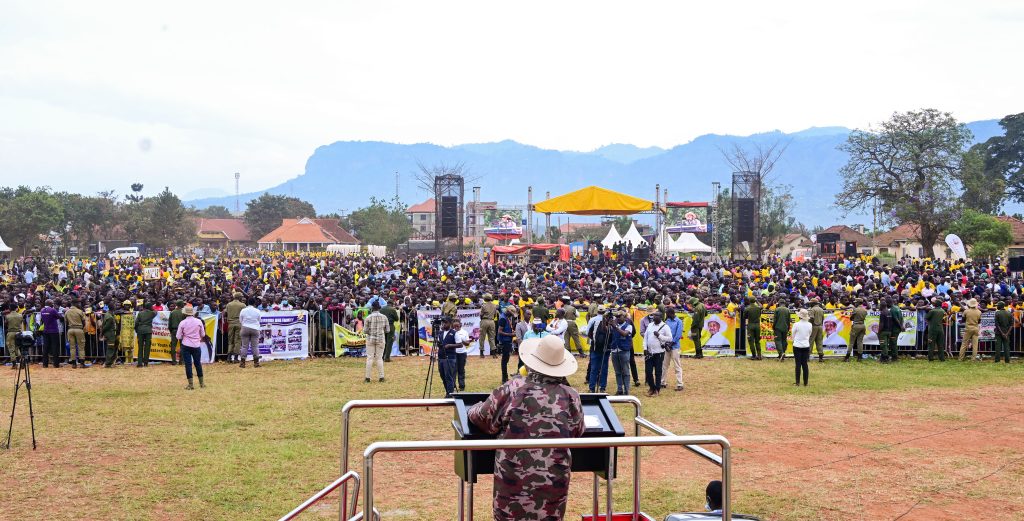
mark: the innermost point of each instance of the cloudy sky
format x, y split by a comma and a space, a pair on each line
95, 95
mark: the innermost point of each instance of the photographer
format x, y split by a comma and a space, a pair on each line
506, 332
656, 336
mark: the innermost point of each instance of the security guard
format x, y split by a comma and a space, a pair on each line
780, 327
233, 310
450, 308
74, 319
936, 331
541, 311
817, 316
752, 314
572, 331
14, 324
488, 330
173, 320
108, 329
389, 336
857, 331
698, 313
144, 330
1004, 323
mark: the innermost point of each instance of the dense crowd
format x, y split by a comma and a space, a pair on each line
83, 292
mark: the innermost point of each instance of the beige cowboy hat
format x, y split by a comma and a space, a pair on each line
803, 314
547, 356
188, 310
973, 303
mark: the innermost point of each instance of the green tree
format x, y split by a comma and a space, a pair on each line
136, 195
87, 214
985, 235
724, 230
381, 223
27, 213
1004, 156
984, 189
909, 164
215, 212
169, 221
776, 219
265, 213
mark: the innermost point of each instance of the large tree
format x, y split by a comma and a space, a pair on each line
1004, 156
909, 164
777, 207
984, 188
170, 222
264, 214
381, 223
215, 212
27, 213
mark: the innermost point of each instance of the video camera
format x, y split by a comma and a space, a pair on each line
25, 340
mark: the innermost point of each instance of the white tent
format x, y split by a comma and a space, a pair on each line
633, 236
612, 238
688, 243
4, 247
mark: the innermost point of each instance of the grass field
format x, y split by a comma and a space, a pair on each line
865, 441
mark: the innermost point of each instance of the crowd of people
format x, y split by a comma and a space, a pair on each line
93, 301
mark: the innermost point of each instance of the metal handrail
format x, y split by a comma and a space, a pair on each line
696, 449
550, 443
324, 492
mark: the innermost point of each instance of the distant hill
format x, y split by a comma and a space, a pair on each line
344, 175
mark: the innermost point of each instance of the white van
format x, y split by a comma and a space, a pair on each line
130, 253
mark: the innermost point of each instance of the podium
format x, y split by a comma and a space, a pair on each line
599, 417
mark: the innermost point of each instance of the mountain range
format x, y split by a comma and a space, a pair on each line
342, 176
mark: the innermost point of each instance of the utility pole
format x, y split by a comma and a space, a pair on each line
529, 215
238, 206
547, 219
716, 189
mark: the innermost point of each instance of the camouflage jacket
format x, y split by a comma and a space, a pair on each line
531, 484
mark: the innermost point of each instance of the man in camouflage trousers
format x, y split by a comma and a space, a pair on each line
533, 484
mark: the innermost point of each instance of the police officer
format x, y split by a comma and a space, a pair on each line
572, 331
936, 332
389, 337
817, 316
144, 330
14, 324
752, 314
488, 331
74, 319
232, 311
780, 327
173, 320
698, 313
108, 330
1004, 323
857, 331
450, 308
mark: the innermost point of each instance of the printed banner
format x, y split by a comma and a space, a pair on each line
907, 338
470, 319
160, 349
987, 331
284, 335
716, 337
346, 340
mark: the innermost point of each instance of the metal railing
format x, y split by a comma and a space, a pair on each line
639, 423
345, 478
564, 443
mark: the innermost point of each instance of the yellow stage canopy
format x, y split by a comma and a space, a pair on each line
594, 200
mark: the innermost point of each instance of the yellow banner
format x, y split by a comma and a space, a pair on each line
345, 339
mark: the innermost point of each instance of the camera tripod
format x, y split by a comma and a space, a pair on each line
24, 378
428, 382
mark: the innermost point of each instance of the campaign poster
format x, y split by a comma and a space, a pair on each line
907, 337
470, 319
160, 348
346, 340
284, 335
987, 331
768, 346
716, 335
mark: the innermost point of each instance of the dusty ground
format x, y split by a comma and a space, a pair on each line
864, 441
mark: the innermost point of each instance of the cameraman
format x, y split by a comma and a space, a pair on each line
446, 355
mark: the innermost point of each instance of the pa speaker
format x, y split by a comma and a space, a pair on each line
745, 209
449, 216
851, 249
1016, 264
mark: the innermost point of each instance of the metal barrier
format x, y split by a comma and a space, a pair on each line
345, 478
639, 422
564, 443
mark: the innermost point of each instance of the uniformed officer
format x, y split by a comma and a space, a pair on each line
488, 330
108, 330
14, 324
74, 320
144, 330
572, 331
450, 308
857, 331
173, 320
780, 327
232, 311
1004, 323
698, 313
936, 331
541, 311
896, 315
817, 316
752, 314
391, 313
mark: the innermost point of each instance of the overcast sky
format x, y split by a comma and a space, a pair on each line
95, 95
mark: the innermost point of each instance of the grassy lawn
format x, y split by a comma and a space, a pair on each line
129, 443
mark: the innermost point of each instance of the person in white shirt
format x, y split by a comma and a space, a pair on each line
461, 353
249, 318
558, 324
656, 336
802, 344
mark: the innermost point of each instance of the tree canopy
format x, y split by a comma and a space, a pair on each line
382, 223
265, 213
984, 234
910, 165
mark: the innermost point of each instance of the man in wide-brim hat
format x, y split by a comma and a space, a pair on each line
540, 405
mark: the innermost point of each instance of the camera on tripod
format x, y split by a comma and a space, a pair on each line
25, 341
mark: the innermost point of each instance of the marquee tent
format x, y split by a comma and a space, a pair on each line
612, 238
4, 247
633, 236
594, 200
688, 243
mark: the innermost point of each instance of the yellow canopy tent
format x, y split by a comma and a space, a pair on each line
594, 200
